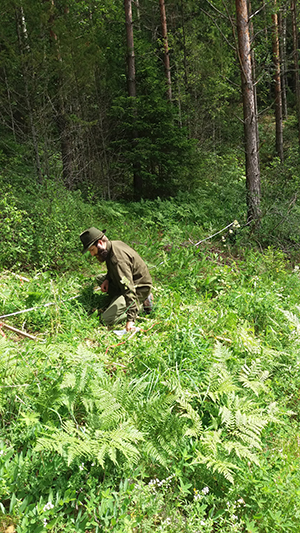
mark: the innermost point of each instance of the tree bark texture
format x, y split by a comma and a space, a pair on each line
164, 30
250, 118
282, 47
130, 48
62, 119
277, 88
251, 30
25, 51
137, 178
296, 61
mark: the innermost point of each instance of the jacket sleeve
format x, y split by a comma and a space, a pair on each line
126, 284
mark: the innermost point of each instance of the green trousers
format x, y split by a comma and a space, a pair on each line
116, 311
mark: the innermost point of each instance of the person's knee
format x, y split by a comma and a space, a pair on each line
108, 319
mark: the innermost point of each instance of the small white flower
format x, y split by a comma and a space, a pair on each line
205, 490
202, 523
47, 507
234, 517
45, 522
1, 452
81, 467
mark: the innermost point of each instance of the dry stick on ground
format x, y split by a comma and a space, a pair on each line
18, 331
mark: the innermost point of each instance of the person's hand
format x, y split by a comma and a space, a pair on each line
104, 286
130, 326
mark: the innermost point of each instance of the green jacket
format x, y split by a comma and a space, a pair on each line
127, 273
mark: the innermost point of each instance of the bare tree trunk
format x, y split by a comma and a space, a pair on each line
282, 47
164, 30
184, 45
62, 116
296, 60
138, 14
277, 80
137, 177
250, 118
25, 49
11, 114
130, 48
251, 30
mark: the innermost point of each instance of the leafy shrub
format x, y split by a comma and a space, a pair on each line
16, 232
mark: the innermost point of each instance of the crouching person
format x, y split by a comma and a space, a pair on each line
127, 281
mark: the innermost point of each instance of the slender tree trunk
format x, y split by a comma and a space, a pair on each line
62, 116
130, 48
250, 118
282, 47
25, 51
138, 14
296, 61
164, 30
184, 45
277, 80
137, 177
11, 114
251, 30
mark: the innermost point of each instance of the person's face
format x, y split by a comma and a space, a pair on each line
93, 250
99, 250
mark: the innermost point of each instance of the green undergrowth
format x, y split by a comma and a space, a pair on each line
40, 224
189, 425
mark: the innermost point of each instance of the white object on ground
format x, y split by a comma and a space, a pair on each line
121, 332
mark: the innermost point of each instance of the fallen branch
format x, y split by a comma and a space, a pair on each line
199, 242
22, 278
38, 307
223, 339
18, 331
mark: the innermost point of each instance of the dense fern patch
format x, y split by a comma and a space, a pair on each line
191, 424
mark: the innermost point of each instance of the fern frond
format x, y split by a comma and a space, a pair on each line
241, 451
254, 377
247, 338
74, 443
218, 382
221, 353
69, 381
293, 319
211, 455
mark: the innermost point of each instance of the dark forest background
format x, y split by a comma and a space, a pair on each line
116, 101
174, 125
